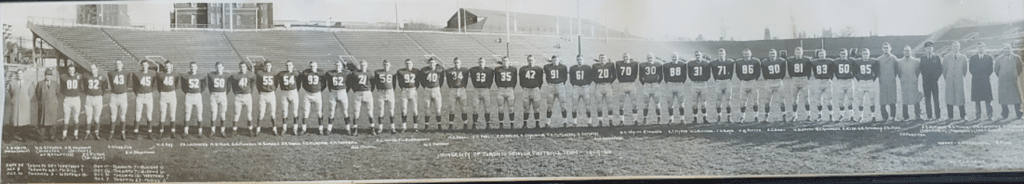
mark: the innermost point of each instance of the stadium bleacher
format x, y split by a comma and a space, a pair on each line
280, 46
91, 43
180, 47
448, 46
377, 46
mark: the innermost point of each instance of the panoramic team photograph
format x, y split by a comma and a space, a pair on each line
472, 90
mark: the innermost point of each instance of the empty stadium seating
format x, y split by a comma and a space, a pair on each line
90, 43
376, 46
181, 47
448, 46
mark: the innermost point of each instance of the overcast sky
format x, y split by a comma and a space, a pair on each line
655, 19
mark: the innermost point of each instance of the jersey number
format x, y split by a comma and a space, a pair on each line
145, 81
721, 70
243, 82
410, 78
458, 75
675, 71
72, 84
580, 74
603, 73
697, 71
481, 77
339, 81
822, 69
554, 74
626, 71
268, 81
218, 83
865, 69
773, 69
193, 83
530, 74
362, 80
385, 79
119, 80
432, 77
844, 68
313, 80
798, 68
748, 69
506, 76
650, 70
168, 81
94, 84
288, 80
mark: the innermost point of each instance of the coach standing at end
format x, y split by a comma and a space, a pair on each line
981, 89
1008, 67
931, 70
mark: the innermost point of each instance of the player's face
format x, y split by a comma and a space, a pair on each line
432, 63
956, 46
220, 68
721, 53
93, 68
886, 49
312, 66
773, 55
170, 67
364, 66
387, 66
821, 54
579, 60
290, 66
481, 62
798, 52
981, 49
746, 54
600, 58
843, 55
458, 63
675, 57
145, 66
408, 64
119, 65
555, 60
865, 54
71, 70
697, 56
504, 62
194, 67
339, 65
243, 68
907, 52
625, 57
267, 67
929, 49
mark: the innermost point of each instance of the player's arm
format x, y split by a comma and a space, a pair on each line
833, 68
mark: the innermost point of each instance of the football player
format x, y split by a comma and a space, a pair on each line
532, 79
384, 83
799, 68
72, 102
337, 84
650, 81
168, 85
774, 70
193, 86
821, 94
408, 83
606, 74
676, 87
699, 71
95, 85
289, 89
362, 86
118, 96
581, 77
431, 78
721, 87
267, 85
242, 84
843, 85
866, 89
457, 82
748, 72
627, 71
556, 74
505, 77
218, 82
483, 79
313, 83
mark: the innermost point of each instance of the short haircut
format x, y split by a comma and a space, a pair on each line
407, 59
504, 57
772, 50
886, 44
266, 62
746, 49
456, 59
981, 43
287, 61
218, 64
192, 63
311, 62
721, 49
385, 61
167, 62
241, 63
928, 44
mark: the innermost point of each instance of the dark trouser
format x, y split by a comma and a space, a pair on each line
917, 111
890, 112
949, 110
1016, 108
931, 96
977, 106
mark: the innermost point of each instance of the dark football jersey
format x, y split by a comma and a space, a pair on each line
407, 78
674, 72
336, 80
823, 68
581, 75
143, 82
360, 81
773, 69
118, 81
531, 76
167, 82
506, 77
699, 71
431, 78
482, 77
218, 82
266, 82
650, 72
556, 74
287, 80
243, 83
748, 69
843, 68
723, 69
72, 85
94, 85
627, 71
312, 82
383, 80
193, 83
866, 69
457, 77
799, 67
606, 73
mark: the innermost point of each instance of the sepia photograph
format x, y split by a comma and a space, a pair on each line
370, 91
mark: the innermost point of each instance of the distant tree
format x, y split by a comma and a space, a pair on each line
847, 31
700, 37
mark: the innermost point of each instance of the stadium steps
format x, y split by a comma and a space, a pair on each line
136, 58
83, 45
518, 48
180, 47
232, 46
449, 46
377, 46
279, 46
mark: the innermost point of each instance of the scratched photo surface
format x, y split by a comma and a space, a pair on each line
412, 91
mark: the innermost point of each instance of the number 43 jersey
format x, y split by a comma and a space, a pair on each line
118, 81
193, 83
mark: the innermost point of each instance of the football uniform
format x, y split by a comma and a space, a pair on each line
581, 77
506, 79
362, 85
408, 83
432, 79
289, 88
118, 96
842, 85
821, 87
384, 84
94, 86
774, 71
313, 82
556, 76
337, 82
626, 87
193, 85
218, 86
531, 78
606, 73
143, 86
676, 88
721, 87
799, 69
266, 84
458, 80
483, 79
866, 88
748, 71
699, 73
650, 79
71, 87
167, 84
242, 85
